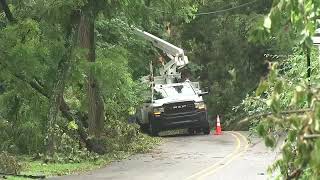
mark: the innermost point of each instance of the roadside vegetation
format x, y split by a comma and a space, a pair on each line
286, 103
69, 78
70, 70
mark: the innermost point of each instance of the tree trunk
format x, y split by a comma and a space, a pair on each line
56, 98
55, 101
95, 102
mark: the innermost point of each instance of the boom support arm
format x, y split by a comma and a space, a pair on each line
176, 54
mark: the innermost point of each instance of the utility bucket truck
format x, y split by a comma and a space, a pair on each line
172, 104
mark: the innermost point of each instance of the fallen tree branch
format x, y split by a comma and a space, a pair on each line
23, 176
295, 174
34, 85
67, 113
263, 115
311, 136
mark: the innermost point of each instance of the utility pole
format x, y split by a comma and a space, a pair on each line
308, 65
152, 81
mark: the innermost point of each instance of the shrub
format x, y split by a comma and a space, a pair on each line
9, 164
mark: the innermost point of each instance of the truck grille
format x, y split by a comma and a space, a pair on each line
179, 107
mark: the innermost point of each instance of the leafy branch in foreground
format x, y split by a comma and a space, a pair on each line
267, 114
289, 86
286, 97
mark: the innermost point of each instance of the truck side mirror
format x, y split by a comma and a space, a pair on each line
206, 89
148, 101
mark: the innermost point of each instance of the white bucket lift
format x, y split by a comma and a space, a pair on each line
168, 73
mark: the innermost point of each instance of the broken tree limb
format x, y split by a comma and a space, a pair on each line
23, 176
263, 115
311, 136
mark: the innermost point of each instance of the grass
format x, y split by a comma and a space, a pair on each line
57, 169
32, 167
60, 169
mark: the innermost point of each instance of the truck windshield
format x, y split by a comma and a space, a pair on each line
159, 94
179, 90
173, 91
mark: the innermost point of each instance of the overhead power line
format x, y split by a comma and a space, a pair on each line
212, 12
228, 9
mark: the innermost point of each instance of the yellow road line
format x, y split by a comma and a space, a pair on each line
212, 167
245, 139
229, 160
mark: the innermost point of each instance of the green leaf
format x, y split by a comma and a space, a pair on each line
299, 95
72, 125
263, 86
274, 102
267, 22
261, 130
269, 141
292, 135
278, 87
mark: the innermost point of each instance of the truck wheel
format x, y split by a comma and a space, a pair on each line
144, 128
206, 130
198, 130
191, 131
152, 130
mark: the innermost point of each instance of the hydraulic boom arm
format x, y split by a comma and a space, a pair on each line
176, 54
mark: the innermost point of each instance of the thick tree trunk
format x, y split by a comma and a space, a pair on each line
95, 102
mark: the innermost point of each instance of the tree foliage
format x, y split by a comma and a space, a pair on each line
289, 94
221, 56
66, 64
45, 72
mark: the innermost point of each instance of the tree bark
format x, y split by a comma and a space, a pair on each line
55, 100
58, 91
95, 102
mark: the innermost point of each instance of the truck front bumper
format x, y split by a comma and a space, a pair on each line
194, 119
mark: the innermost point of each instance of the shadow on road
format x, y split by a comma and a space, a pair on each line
179, 133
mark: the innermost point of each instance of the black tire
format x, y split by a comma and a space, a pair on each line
198, 130
190, 131
206, 130
144, 128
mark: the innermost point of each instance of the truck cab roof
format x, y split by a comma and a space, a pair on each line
175, 92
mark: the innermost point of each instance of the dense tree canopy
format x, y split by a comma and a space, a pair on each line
222, 57
78, 62
68, 62
70, 70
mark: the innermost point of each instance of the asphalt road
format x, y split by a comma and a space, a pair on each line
229, 156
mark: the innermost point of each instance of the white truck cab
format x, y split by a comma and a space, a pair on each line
174, 106
165, 93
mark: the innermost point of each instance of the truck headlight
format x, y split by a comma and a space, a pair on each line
200, 105
158, 110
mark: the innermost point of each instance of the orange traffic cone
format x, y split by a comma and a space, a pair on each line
218, 127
